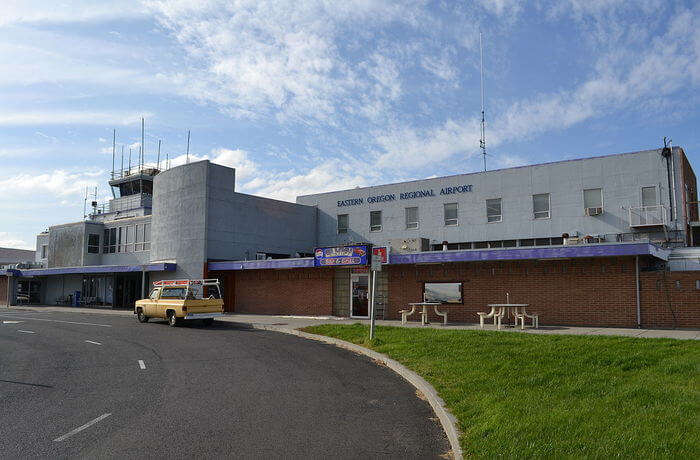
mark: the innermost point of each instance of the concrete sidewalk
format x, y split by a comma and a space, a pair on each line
283, 322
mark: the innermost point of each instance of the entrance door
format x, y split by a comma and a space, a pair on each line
359, 295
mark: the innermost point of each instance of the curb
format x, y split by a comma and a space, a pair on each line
447, 420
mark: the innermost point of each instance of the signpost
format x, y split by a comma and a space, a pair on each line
375, 267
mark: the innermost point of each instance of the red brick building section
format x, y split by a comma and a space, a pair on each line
581, 292
4, 285
303, 291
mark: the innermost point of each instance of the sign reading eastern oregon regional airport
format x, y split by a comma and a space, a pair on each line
341, 255
405, 195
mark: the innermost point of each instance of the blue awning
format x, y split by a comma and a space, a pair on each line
96, 269
472, 255
9, 272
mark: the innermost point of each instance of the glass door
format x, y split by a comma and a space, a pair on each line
359, 295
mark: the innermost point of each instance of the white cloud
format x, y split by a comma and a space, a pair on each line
67, 117
57, 183
43, 11
13, 240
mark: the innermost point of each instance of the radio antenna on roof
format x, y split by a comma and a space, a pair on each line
114, 148
482, 141
158, 161
187, 158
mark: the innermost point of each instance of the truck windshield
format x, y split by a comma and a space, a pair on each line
174, 293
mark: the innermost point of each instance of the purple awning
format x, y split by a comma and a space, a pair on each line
156, 267
471, 255
559, 252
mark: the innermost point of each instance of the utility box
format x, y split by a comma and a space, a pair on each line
409, 245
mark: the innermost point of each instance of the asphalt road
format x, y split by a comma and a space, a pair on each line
141, 390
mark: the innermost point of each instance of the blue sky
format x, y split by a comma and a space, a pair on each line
308, 96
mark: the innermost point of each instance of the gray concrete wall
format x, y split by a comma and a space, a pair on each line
178, 230
66, 243
240, 225
41, 240
620, 176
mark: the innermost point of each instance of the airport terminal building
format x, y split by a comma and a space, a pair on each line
604, 241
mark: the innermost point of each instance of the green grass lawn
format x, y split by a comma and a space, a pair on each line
530, 395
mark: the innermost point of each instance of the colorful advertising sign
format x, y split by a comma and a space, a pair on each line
341, 255
382, 253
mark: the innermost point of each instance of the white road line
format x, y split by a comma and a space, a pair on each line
142, 365
26, 332
81, 428
95, 343
12, 322
59, 321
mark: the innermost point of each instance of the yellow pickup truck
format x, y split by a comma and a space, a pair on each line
177, 300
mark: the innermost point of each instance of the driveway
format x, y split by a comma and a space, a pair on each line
76, 385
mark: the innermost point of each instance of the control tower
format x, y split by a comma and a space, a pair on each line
132, 192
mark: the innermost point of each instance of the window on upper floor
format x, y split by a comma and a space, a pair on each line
540, 206
411, 217
649, 196
93, 243
493, 210
451, 214
375, 221
593, 201
44, 251
343, 223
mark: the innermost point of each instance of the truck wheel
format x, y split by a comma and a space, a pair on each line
173, 320
141, 317
208, 321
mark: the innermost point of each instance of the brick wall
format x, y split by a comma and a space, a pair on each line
304, 291
3, 290
591, 292
584, 292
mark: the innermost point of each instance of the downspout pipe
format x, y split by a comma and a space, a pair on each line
639, 308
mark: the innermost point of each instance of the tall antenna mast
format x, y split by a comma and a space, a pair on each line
143, 147
122, 170
114, 148
129, 172
167, 160
158, 162
482, 141
187, 159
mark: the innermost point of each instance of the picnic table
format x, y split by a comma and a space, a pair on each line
424, 314
507, 309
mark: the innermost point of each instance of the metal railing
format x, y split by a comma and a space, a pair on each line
648, 216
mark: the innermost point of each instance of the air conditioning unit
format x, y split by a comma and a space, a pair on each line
594, 211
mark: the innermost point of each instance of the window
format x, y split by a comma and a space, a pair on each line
105, 242
129, 247
343, 221
542, 241
139, 238
493, 210
593, 200
109, 244
44, 250
649, 196
121, 237
411, 218
154, 294
442, 292
510, 243
375, 221
451, 214
174, 293
146, 237
93, 243
540, 206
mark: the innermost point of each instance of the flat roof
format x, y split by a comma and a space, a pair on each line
471, 255
490, 171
